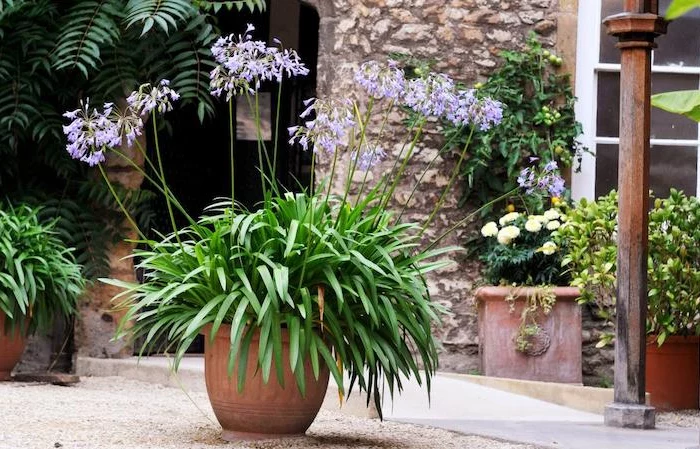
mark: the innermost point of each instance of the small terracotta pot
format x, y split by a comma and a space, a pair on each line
11, 349
260, 411
558, 350
673, 373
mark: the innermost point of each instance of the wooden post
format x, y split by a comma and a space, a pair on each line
636, 29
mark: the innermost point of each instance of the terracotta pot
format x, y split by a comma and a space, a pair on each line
11, 349
261, 410
556, 356
673, 373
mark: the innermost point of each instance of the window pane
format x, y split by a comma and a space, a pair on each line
608, 115
681, 45
670, 167
608, 51
665, 125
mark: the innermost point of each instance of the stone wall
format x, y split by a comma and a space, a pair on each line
464, 38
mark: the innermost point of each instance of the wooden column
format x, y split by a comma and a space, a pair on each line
636, 29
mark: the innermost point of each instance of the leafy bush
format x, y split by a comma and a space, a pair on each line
39, 279
521, 251
538, 121
673, 264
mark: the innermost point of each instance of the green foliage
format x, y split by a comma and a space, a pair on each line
521, 251
684, 102
538, 121
342, 280
673, 264
216, 6
54, 52
677, 8
39, 278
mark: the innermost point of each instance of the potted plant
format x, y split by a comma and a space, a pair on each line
39, 281
673, 320
529, 321
311, 283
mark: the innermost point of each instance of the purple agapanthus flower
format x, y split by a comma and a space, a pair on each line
368, 158
381, 81
547, 180
243, 64
328, 130
91, 133
159, 97
431, 96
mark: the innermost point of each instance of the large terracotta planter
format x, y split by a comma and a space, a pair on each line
261, 410
11, 349
558, 355
673, 373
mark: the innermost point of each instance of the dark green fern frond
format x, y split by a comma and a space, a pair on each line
119, 74
86, 30
166, 14
216, 6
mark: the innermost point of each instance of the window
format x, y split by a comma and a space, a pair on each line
674, 139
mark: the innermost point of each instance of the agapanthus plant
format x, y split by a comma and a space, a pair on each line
339, 272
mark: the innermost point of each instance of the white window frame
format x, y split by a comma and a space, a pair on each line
588, 66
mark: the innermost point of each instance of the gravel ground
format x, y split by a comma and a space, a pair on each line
116, 413
683, 418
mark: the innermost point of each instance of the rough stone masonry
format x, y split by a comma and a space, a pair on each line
464, 38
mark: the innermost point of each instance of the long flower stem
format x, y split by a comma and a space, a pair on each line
469, 217
310, 233
155, 183
449, 185
353, 161
162, 177
277, 128
128, 216
381, 131
232, 138
425, 171
386, 195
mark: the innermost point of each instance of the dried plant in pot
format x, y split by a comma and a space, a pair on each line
529, 320
39, 281
310, 284
673, 317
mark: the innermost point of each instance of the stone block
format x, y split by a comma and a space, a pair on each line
630, 416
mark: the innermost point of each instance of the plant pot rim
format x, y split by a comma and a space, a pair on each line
674, 339
498, 293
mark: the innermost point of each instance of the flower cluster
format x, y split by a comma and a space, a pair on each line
522, 248
547, 180
435, 95
92, 132
380, 81
148, 98
329, 129
512, 222
243, 64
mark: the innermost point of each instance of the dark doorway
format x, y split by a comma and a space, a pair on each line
196, 155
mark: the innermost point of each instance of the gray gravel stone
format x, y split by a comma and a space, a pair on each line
116, 413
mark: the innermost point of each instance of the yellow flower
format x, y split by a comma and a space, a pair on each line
556, 200
490, 229
533, 225
551, 214
507, 218
552, 225
507, 234
510, 208
548, 248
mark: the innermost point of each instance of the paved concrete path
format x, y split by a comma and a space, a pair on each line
459, 405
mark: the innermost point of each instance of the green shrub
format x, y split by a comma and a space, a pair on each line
674, 260
39, 279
